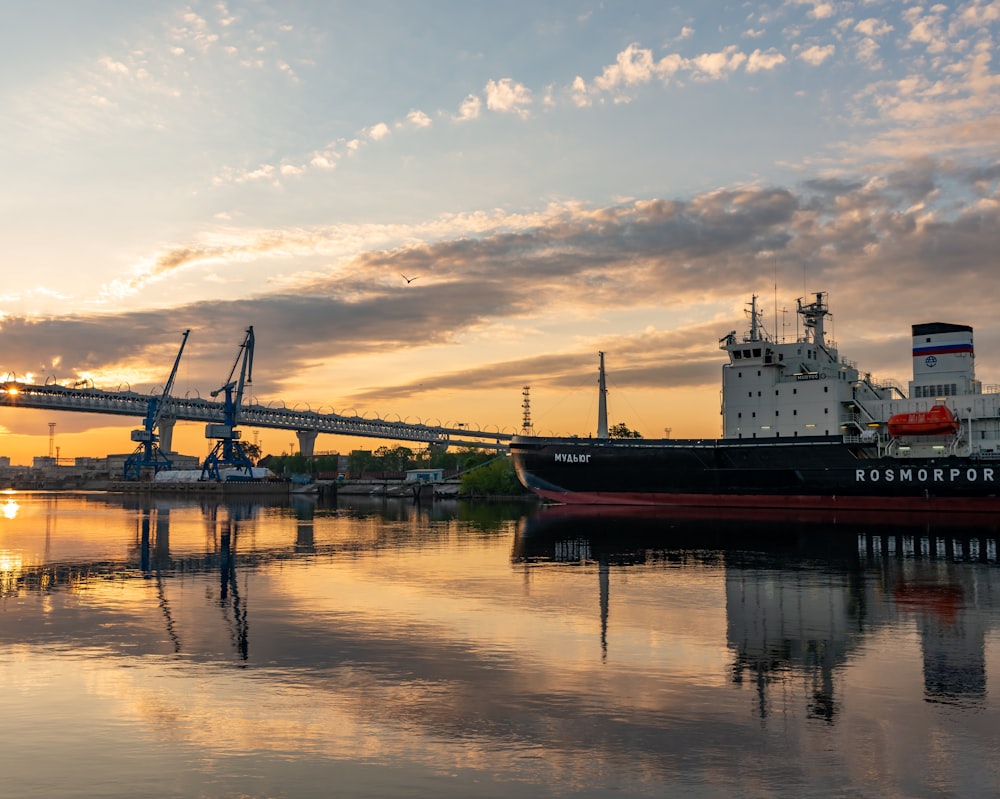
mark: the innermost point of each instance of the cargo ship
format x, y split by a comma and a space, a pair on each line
802, 427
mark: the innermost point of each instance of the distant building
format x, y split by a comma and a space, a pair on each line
424, 475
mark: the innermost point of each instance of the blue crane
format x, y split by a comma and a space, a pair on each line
148, 459
228, 452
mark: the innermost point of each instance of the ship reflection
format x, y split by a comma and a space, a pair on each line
804, 592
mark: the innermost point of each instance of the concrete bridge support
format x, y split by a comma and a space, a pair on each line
165, 430
307, 442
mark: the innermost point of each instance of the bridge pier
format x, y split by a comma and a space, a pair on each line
307, 442
165, 430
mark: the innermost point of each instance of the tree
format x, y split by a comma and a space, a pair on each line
494, 477
251, 450
393, 459
360, 461
621, 430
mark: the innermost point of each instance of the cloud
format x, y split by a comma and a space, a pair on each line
873, 27
927, 28
418, 119
507, 96
378, 132
978, 14
648, 256
761, 61
635, 66
469, 109
816, 54
818, 9
716, 65
324, 160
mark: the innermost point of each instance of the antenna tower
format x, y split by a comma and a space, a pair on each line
526, 410
52, 438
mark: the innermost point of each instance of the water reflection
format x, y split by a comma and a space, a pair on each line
806, 591
282, 647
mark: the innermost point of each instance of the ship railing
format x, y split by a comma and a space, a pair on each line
886, 384
860, 420
992, 388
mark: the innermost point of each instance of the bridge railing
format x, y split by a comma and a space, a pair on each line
131, 403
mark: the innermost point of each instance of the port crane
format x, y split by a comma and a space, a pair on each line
147, 458
228, 453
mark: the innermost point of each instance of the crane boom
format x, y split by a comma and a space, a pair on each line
147, 457
228, 452
244, 361
161, 405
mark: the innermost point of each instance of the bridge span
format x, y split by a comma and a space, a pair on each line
307, 424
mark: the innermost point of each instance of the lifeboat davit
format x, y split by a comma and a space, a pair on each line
938, 421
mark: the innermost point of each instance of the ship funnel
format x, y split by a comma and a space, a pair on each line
943, 361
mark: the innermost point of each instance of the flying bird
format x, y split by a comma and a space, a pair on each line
408, 280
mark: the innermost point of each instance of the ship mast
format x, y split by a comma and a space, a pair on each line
602, 401
755, 326
812, 316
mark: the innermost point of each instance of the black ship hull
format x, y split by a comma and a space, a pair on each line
820, 472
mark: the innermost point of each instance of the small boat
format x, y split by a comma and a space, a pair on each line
938, 421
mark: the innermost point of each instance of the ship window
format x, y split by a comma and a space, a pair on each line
749, 393
796, 433
739, 415
826, 410
826, 389
795, 391
756, 352
746, 353
795, 411
758, 393
776, 413
753, 414
781, 356
776, 392
758, 373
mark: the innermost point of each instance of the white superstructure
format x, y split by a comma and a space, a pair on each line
773, 389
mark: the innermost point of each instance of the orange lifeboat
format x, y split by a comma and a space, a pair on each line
938, 421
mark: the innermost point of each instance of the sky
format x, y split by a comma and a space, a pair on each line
423, 207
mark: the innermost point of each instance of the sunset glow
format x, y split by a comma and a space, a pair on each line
423, 208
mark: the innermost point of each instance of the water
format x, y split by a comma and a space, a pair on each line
179, 648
